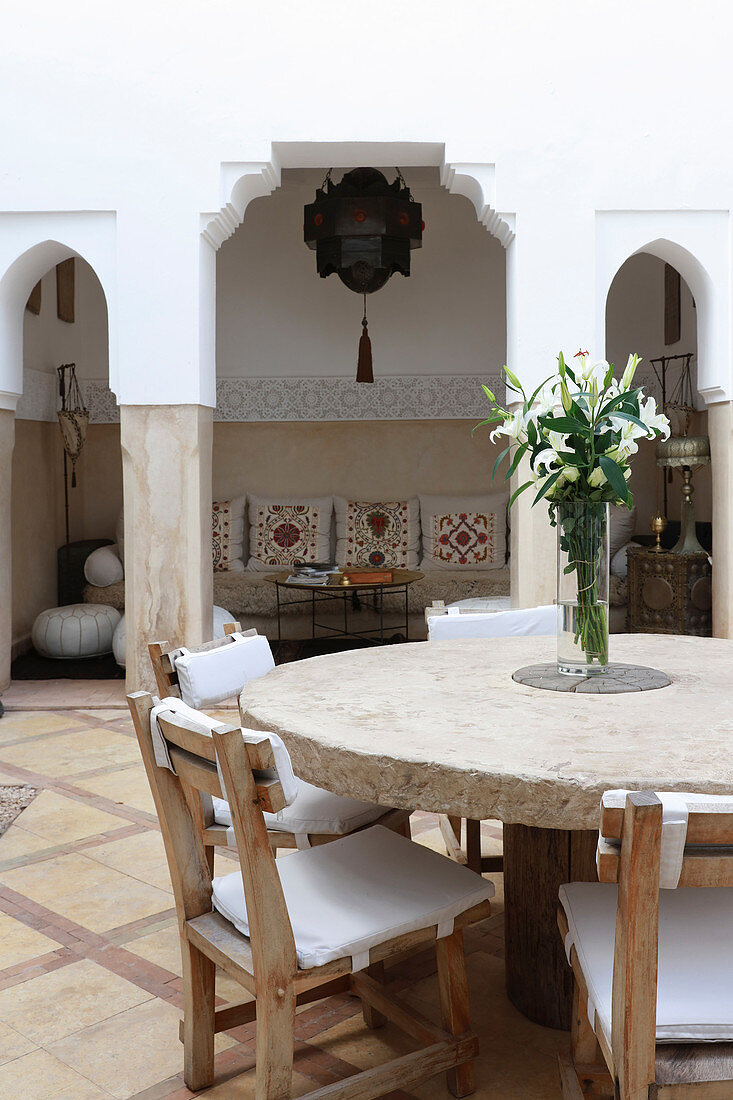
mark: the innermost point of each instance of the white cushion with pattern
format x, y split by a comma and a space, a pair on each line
313, 811
348, 896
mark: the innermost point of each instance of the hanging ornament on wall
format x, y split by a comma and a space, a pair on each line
363, 229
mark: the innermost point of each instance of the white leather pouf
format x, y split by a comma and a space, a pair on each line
79, 630
221, 618
119, 643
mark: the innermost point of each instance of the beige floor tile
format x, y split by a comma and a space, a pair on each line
17, 724
230, 990
355, 1043
141, 857
40, 1076
18, 942
64, 1001
65, 695
16, 842
73, 753
128, 786
242, 1087
161, 947
62, 820
100, 899
13, 1044
131, 1051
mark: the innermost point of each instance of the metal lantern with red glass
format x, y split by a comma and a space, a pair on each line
363, 230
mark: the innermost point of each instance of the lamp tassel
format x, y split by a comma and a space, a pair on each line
364, 372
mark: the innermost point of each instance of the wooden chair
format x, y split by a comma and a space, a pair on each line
654, 965
331, 816
453, 623
266, 961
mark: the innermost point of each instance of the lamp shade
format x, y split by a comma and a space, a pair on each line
683, 450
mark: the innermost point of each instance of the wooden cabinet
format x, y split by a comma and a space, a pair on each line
669, 593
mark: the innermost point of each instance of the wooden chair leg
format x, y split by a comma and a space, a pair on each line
583, 1042
372, 1017
453, 987
198, 1018
473, 845
450, 828
275, 1038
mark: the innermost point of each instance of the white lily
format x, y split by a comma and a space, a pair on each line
514, 427
597, 478
654, 421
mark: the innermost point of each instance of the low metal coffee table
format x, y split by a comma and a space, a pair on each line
351, 597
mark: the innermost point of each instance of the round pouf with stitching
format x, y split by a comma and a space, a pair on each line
119, 643
79, 630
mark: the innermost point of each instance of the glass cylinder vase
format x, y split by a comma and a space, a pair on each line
582, 587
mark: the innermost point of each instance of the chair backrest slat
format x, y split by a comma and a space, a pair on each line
706, 825
177, 797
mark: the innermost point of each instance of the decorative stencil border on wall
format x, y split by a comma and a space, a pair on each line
248, 400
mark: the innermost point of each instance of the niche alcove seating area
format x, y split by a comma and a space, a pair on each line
459, 543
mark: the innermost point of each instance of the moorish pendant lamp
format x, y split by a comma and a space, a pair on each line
363, 229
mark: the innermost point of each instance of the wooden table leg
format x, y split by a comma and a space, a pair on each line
536, 863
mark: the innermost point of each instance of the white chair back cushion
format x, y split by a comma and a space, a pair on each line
499, 624
203, 724
675, 816
346, 897
313, 811
210, 677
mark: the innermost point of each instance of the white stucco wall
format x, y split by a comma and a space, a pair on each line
554, 116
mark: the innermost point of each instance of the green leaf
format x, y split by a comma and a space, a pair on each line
516, 492
564, 424
571, 458
497, 464
631, 397
518, 456
609, 376
546, 487
615, 476
532, 432
632, 420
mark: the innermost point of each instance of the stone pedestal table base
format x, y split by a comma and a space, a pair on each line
539, 981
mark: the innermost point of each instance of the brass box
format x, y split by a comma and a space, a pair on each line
669, 593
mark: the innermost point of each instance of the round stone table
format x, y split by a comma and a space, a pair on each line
442, 726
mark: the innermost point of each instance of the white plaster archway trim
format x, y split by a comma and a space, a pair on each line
240, 182
31, 244
695, 242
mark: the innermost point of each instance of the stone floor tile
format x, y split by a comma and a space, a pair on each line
142, 857
13, 1044
22, 724
161, 947
100, 897
353, 1042
65, 695
55, 1005
40, 1076
242, 1087
74, 753
130, 1051
128, 786
63, 820
19, 943
17, 842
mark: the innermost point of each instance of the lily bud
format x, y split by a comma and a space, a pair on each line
628, 375
593, 389
565, 395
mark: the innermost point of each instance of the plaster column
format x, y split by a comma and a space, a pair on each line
166, 465
7, 439
720, 429
533, 554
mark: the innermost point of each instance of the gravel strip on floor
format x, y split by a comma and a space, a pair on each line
12, 801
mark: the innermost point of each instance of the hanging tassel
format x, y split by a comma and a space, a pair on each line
364, 372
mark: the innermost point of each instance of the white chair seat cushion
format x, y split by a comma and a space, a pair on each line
695, 983
346, 897
313, 811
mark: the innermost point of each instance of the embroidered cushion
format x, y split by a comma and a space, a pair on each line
227, 535
285, 531
463, 532
377, 534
